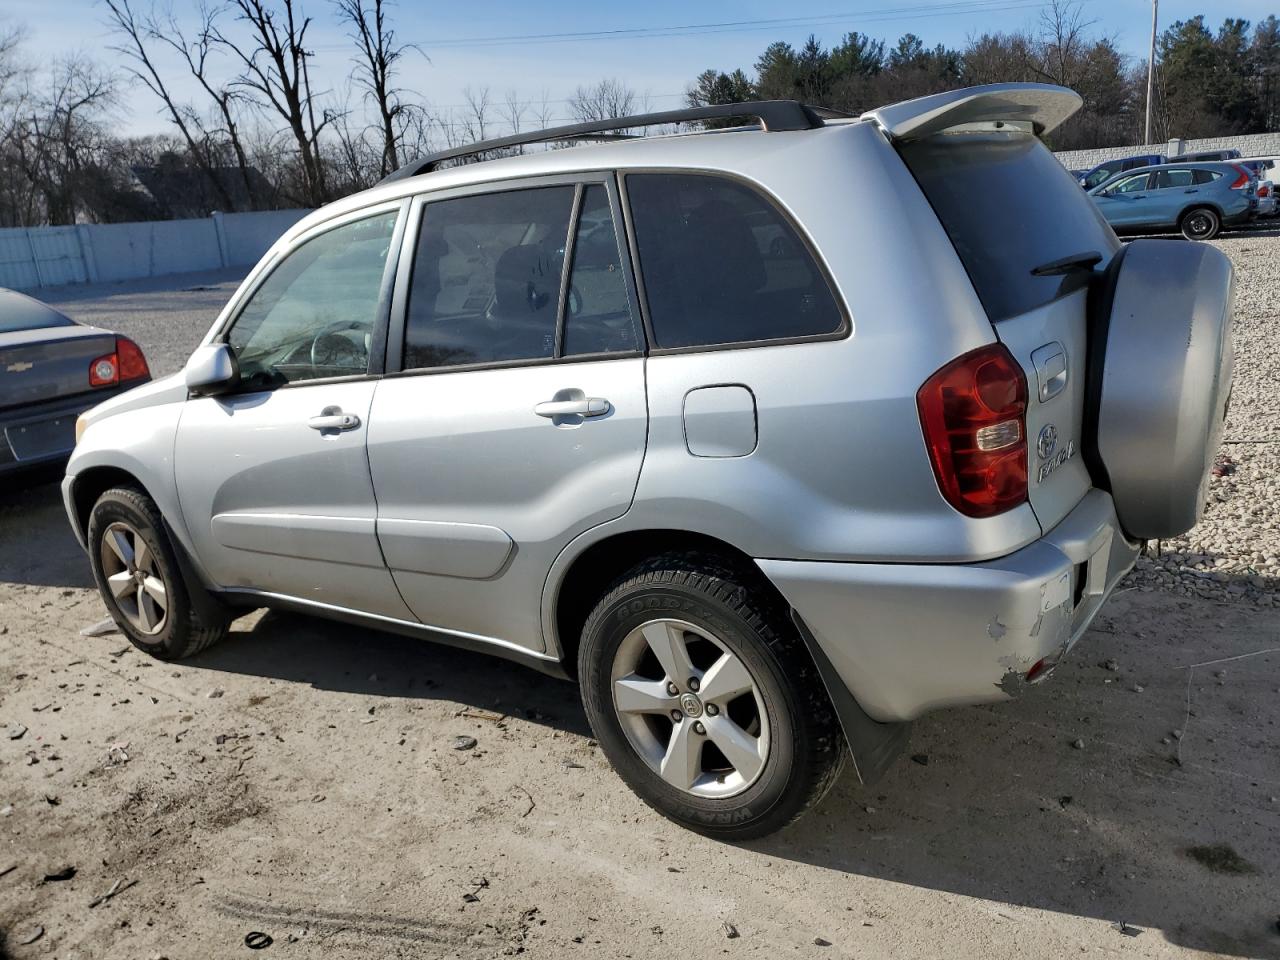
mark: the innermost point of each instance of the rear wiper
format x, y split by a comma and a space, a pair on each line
1077, 261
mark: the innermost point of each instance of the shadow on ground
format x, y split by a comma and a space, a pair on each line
348, 659
37, 546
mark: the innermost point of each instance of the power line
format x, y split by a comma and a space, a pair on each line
920, 11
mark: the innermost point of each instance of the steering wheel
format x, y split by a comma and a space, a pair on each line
330, 349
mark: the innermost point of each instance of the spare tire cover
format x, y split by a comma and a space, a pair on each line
1159, 381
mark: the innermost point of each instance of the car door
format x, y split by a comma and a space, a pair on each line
274, 475
1124, 202
513, 414
1173, 191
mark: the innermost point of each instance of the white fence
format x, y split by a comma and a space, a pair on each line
1249, 145
32, 257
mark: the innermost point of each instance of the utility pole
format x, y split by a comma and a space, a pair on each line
1151, 70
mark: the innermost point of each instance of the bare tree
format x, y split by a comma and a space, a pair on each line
543, 111
57, 146
1063, 44
475, 122
512, 110
606, 100
378, 54
196, 54
274, 68
135, 34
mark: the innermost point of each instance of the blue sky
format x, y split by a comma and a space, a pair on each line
660, 66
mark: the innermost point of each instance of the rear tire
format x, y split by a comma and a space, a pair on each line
1200, 223
140, 581
748, 740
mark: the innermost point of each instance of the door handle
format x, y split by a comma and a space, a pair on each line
1190, 191
334, 420
586, 407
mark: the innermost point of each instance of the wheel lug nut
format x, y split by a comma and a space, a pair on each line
672, 688
712, 709
693, 683
676, 716
699, 728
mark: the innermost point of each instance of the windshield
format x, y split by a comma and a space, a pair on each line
1009, 207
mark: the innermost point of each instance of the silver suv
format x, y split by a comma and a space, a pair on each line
771, 437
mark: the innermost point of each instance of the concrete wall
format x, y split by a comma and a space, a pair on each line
1253, 145
34, 257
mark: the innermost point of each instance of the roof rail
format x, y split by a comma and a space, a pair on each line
773, 115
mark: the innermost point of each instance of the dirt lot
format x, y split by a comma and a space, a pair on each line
299, 781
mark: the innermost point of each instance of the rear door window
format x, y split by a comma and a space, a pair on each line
721, 265
1008, 206
598, 313
1173, 178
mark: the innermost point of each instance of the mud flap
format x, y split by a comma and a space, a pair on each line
206, 604
873, 745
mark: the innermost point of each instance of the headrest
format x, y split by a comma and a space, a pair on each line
525, 279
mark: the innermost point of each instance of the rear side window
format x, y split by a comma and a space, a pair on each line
722, 265
1173, 178
1008, 206
598, 313
486, 278
1204, 176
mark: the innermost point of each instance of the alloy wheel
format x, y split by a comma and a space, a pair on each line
137, 586
690, 708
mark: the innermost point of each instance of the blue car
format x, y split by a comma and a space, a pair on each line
1197, 199
1105, 171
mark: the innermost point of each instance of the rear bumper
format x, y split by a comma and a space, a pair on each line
43, 433
908, 638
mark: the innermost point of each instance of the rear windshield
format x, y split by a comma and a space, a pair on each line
15, 316
1009, 206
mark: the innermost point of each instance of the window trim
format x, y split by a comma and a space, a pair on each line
842, 331
580, 180
376, 357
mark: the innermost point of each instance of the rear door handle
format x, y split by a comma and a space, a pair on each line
1190, 191
586, 407
332, 418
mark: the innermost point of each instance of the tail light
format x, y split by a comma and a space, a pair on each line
973, 412
124, 365
1243, 179
1264, 190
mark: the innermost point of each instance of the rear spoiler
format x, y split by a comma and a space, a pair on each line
1036, 107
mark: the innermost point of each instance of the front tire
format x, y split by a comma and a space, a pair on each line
140, 581
705, 700
1200, 223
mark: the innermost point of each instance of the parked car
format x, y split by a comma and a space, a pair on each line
1266, 199
764, 510
1105, 171
52, 369
1197, 199
1261, 167
1209, 156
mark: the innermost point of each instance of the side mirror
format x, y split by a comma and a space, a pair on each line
211, 370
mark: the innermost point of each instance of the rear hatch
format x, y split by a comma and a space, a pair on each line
48, 362
1031, 240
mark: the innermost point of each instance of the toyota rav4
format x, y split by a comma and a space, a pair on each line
772, 437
